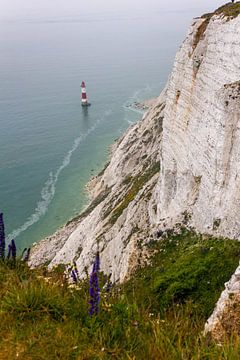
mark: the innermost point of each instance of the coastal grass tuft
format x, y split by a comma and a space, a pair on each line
229, 10
158, 314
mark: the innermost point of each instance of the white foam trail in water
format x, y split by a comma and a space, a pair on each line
49, 188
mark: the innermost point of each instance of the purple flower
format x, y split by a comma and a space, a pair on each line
14, 250
9, 251
74, 273
74, 276
75, 269
94, 290
96, 265
2, 238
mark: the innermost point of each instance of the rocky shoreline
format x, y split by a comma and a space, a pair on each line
143, 105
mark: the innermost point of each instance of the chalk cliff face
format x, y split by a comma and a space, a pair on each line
179, 163
200, 147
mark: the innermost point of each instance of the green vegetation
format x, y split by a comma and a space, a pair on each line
137, 184
159, 314
187, 267
230, 10
95, 202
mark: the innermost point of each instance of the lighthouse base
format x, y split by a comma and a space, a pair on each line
86, 104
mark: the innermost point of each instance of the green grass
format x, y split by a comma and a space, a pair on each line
94, 203
137, 184
158, 314
229, 10
186, 268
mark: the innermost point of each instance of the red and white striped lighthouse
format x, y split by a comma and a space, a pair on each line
84, 95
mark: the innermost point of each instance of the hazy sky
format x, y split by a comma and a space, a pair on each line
52, 8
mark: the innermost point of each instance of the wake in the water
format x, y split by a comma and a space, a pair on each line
49, 188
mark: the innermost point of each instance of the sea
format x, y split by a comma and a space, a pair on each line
49, 145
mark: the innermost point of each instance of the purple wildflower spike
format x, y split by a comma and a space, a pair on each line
2, 238
74, 276
14, 250
75, 269
94, 290
96, 265
9, 251
74, 273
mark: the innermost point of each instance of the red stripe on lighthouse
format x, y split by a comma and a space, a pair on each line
84, 94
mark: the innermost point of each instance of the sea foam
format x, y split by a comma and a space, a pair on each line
49, 188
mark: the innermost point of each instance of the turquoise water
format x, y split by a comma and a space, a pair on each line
49, 145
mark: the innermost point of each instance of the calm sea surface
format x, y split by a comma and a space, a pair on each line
50, 146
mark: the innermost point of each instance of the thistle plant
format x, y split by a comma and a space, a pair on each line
2, 238
94, 290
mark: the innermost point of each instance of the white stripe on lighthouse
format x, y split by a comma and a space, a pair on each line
84, 93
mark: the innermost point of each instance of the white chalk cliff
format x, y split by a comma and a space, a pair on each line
192, 134
200, 147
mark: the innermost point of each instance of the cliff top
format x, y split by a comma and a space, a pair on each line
157, 314
230, 10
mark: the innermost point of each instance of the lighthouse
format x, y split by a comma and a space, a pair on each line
84, 95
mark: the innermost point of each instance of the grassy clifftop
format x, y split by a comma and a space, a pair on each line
158, 314
229, 10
